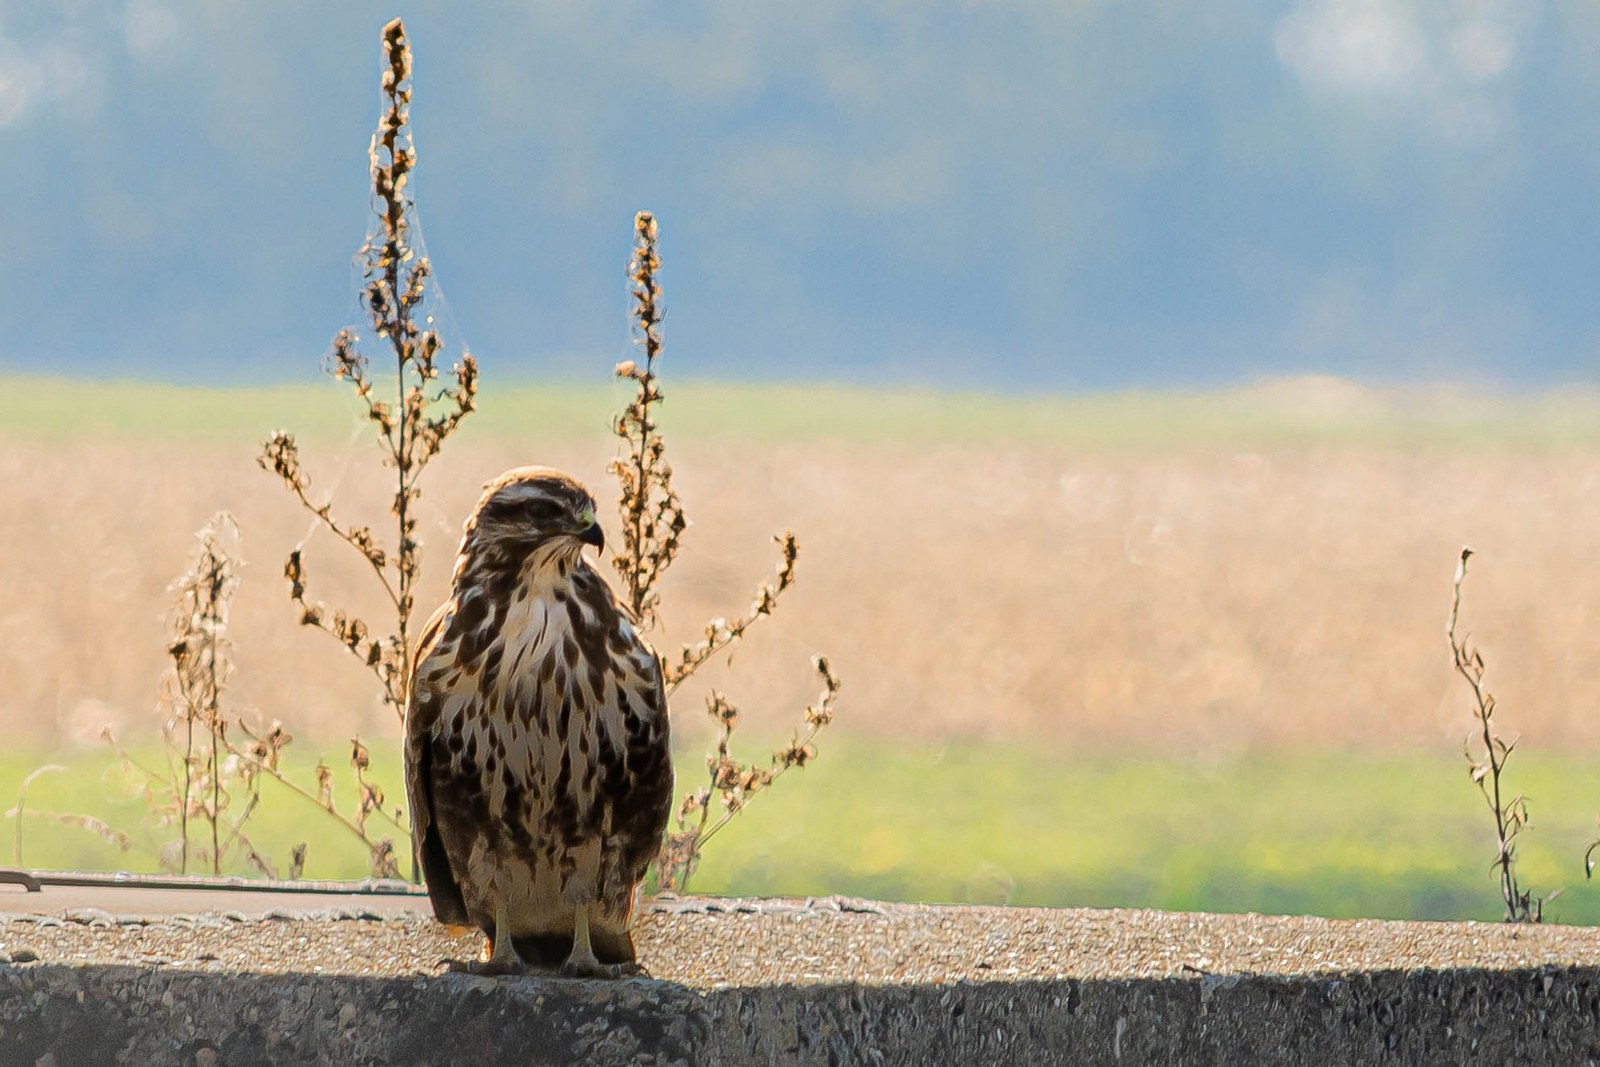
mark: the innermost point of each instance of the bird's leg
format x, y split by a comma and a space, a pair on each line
503, 958
582, 962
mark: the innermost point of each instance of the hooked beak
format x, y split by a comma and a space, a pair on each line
593, 535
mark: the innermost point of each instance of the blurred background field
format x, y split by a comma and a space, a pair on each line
1340, 834
1170, 650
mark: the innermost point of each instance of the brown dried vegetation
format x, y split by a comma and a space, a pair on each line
202, 664
1488, 772
412, 431
107, 833
197, 781
204, 767
653, 523
413, 428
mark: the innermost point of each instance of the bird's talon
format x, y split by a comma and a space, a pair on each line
492, 969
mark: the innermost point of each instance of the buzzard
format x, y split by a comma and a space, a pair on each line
536, 738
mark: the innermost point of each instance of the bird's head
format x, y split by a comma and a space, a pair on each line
528, 510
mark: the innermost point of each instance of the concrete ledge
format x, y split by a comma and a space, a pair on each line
806, 981
67, 1016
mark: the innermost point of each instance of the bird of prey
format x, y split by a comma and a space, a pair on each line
536, 738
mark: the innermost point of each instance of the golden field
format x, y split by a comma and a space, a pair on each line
1198, 575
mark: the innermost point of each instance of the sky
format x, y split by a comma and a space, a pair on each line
1084, 194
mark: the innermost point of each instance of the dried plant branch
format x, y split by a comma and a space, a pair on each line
153, 778
720, 633
107, 833
1510, 816
200, 759
384, 656
200, 763
734, 783
653, 523
653, 519
414, 424
370, 800
22, 804
262, 758
201, 664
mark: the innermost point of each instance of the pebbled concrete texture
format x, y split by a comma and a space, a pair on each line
59, 1016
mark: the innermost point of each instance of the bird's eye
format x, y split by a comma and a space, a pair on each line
542, 512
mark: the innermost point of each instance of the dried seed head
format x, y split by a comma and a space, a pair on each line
324, 785
796, 755
722, 710
383, 860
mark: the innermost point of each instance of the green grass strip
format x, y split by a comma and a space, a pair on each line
1286, 414
1336, 834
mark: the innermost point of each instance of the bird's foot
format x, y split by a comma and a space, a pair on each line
491, 968
592, 969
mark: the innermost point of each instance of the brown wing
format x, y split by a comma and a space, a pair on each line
632, 796
644, 800
422, 716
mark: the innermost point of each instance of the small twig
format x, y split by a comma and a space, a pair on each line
653, 523
372, 794
262, 756
107, 833
1510, 817
281, 455
201, 666
415, 422
737, 783
719, 633
653, 519
22, 805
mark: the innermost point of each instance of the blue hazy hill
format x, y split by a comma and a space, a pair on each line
1002, 196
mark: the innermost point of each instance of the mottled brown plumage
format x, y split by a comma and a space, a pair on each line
536, 737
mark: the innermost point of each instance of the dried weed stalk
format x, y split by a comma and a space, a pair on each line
262, 757
734, 783
109, 834
653, 522
201, 665
1510, 816
198, 780
205, 768
414, 424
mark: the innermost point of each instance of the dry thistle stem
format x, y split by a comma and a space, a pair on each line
720, 633
21, 809
653, 522
201, 667
734, 783
413, 425
1510, 816
261, 758
652, 516
201, 772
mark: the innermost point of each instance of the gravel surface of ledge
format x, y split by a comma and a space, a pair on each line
828, 981
709, 943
